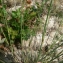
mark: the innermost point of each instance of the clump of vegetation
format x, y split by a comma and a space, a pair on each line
19, 24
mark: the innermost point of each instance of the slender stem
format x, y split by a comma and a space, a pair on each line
21, 20
45, 26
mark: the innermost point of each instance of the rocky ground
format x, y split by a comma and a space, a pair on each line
54, 28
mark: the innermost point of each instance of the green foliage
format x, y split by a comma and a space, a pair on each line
15, 26
12, 29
